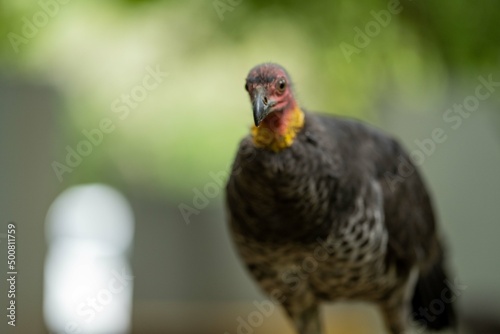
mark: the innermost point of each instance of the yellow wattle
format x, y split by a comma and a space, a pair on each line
263, 137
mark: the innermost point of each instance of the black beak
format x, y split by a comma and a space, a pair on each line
261, 106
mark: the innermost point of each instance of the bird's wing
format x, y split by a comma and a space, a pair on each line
409, 215
408, 211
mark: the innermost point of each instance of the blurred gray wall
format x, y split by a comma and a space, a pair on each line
28, 129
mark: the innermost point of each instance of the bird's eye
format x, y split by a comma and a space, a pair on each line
281, 85
246, 87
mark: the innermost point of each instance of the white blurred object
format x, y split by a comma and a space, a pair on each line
88, 282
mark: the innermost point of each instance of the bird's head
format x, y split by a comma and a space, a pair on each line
270, 91
277, 117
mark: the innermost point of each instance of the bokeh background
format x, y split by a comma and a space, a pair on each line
67, 66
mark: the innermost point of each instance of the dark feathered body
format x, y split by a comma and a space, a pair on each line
325, 219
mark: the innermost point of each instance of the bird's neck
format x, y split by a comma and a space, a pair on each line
278, 130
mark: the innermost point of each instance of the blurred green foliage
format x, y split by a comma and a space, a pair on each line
93, 52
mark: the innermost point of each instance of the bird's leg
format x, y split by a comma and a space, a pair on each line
396, 309
395, 320
307, 321
396, 317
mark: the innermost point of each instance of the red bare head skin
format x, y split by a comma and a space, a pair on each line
271, 94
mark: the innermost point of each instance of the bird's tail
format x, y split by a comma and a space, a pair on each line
433, 299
